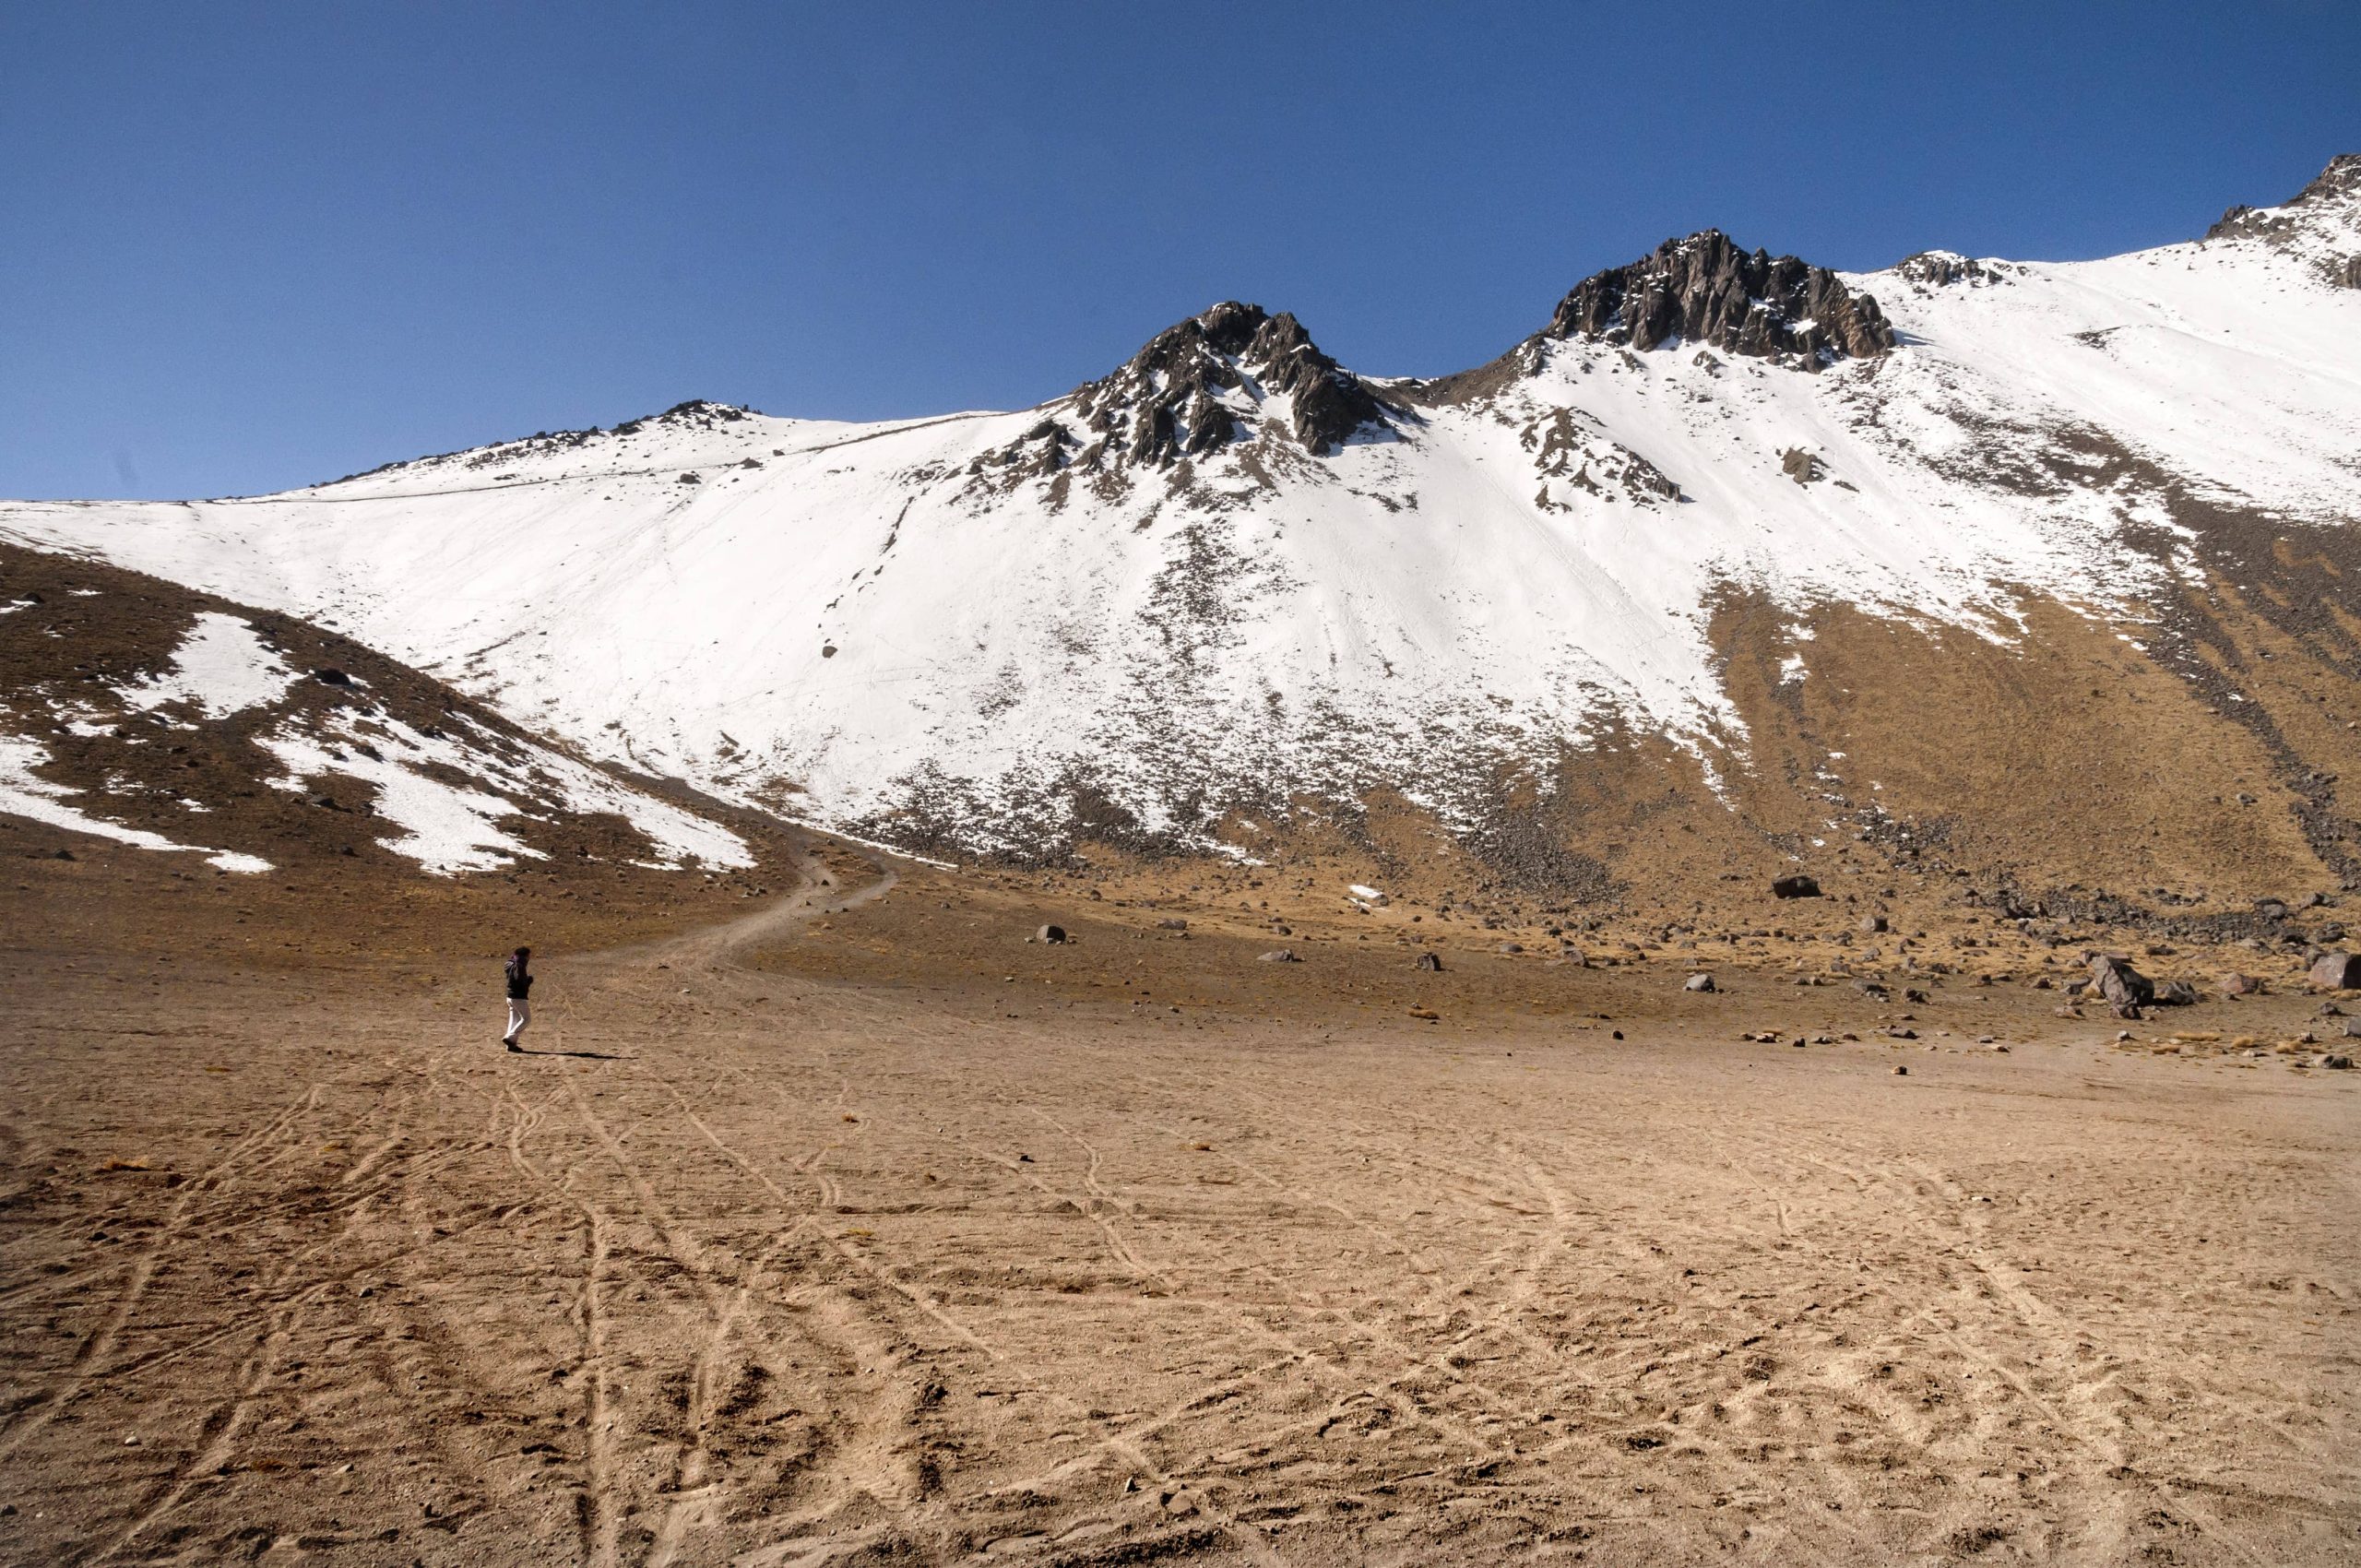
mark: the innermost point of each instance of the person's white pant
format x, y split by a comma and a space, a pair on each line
520, 1013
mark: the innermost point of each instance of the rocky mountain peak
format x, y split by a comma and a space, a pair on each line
1204, 383
2322, 222
1705, 290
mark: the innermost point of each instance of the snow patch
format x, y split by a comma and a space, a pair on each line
221, 666
450, 828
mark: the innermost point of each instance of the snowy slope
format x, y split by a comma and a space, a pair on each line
1232, 573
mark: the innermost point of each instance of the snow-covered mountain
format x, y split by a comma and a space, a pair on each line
1233, 581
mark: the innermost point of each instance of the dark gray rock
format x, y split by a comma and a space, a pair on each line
1165, 404
1430, 962
1796, 887
2122, 985
1051, 933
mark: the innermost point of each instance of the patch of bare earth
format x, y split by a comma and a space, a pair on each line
819, 1238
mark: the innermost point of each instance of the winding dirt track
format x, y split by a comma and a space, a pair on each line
739, 1267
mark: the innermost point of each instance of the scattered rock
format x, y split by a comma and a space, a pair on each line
331, 677
1172, 925
1051, 934
1512, 946
62, 855
1873, 924
1280, 956
1430, 962
2236, 984
2337, 972
1801, 466
2122, 985
1698, 983
2176, 994
1901, 1072
1796, 887
2337, 1061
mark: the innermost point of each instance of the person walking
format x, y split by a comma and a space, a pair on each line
520, 989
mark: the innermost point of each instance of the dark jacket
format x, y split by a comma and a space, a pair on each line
520, 984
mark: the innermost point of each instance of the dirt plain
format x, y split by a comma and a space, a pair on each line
851, 1225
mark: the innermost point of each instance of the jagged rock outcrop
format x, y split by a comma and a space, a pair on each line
1705, 290
1203, 384
1943, 269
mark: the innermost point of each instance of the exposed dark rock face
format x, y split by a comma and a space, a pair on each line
2323, 219
1796, 887
1705, 290
1196, 388
1167, 403
1943, 269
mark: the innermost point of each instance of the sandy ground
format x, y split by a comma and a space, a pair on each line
772, 1254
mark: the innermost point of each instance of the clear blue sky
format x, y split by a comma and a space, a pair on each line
244, 247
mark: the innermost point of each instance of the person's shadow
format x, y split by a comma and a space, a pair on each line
579, 1055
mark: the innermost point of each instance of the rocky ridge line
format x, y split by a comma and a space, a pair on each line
2323, 220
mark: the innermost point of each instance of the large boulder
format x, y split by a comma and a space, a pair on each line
2337, 972
2122, 985
1796, 887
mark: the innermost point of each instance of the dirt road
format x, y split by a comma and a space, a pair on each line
740, 1266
